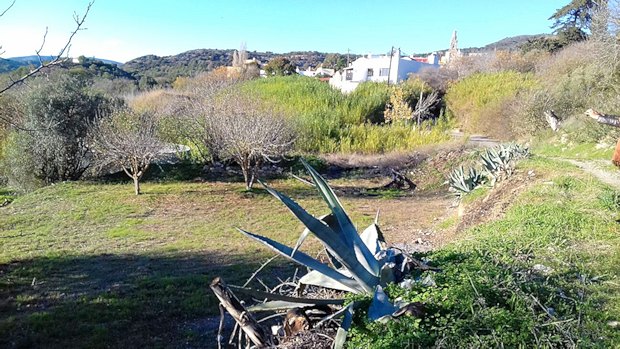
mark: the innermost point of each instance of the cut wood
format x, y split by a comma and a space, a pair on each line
400, 181
255, 332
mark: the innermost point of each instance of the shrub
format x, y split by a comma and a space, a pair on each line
51, 144
574, 79
368, 138
474, 101
127, 141
17, 164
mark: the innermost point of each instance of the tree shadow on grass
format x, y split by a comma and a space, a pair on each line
119, 301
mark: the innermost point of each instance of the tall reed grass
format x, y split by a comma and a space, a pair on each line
330, 121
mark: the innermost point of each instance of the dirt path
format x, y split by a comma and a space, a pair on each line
597, 169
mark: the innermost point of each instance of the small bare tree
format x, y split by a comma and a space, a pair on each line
127, 140
242, 130
423, 106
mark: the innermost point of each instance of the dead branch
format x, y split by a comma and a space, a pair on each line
605, 119
79, 21
7, 9
552, 120
424, 105
256, 333
399, 181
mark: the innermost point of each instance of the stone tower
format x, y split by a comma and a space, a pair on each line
454, 51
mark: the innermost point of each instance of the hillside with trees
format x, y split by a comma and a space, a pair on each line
164, 70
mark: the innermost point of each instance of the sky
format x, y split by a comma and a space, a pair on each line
121, 30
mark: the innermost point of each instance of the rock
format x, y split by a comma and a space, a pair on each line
602, 145
613, 324
542, 269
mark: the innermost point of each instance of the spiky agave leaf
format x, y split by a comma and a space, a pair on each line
331, 240
348, 231
380, 307
307, 261
373, 239
318, 279
347, 320
277, 306
333, 224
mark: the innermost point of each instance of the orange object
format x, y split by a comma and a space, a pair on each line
616, 157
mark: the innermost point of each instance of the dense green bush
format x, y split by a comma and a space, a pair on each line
330, 121
50, 145
508, 104
479, 100
369, 138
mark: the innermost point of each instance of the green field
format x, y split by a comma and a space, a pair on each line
92, 265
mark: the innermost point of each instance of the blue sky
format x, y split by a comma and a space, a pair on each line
126, 29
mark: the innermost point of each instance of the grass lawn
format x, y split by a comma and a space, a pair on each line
92, 265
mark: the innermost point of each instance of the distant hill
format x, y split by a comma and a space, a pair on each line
8, 65
34, 59
512, 43
165, 69
506, 44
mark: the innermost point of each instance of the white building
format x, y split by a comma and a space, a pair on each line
320, 71
381, 68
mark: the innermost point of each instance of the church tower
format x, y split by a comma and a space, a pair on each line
454, 51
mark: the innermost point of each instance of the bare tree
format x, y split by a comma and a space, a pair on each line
127, 140
242, 130
423, 107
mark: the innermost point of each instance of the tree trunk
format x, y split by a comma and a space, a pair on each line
136, 184
248, 172
257, 334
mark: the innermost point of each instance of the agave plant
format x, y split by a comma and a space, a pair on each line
358, 263
500, 161
463, 182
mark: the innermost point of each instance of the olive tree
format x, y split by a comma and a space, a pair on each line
128, 141
58, 112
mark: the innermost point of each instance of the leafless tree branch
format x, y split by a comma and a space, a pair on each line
424, 105
8, 8
79, 21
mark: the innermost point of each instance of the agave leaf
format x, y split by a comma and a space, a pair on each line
372, 238
387, 274
334, 243
317, 279
280, 297
333, 315
348, 232
347, 320
304, 260
277, 306
302, 238
302, 180
380, 306
333, 224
